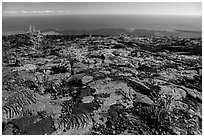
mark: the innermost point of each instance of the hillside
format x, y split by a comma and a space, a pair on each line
101, 84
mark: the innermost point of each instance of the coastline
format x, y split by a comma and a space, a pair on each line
116, 31
8, 33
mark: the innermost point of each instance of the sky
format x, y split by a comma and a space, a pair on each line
66, 8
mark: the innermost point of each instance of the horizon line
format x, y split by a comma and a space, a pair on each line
26, 15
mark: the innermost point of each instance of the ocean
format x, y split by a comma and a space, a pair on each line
14, 24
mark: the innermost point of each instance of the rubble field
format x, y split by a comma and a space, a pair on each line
101, 85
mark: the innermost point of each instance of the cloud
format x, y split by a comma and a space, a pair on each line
25, 11
37, 12
10, 12
45, 12
63, 11
49, 11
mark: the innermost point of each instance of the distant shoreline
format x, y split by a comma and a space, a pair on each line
115, 31
12, 33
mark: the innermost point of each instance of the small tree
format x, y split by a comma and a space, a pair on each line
73, 55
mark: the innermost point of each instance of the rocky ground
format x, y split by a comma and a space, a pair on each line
101, 85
